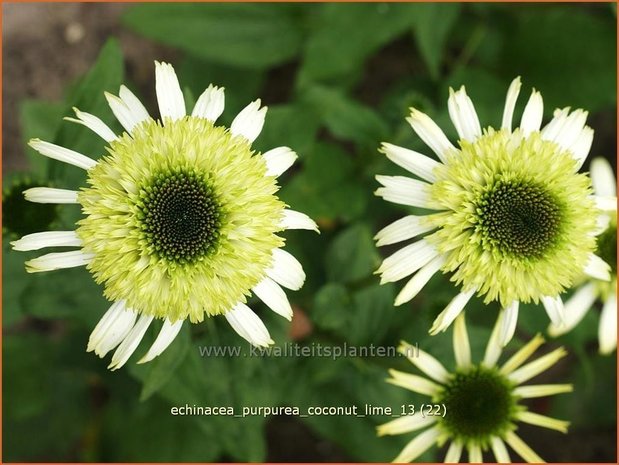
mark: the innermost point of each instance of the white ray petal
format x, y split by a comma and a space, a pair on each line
57, 261
249, 122
521, 448
62, 154
40, 240
535, 367
292, 219
93, 123
542, 390
425, 362
210, 104
543, 421
533, 114
575, 309
522, 355
453, 309
508, 324
554, 308
597, 268
274, 297
494, 347
122, 112
50, 195
169, 94
403, 190
405, 424
406, 261
130, 342
550, 131
454, 452
475, 454
166, 335
499, 450
413, 382
112, 328
403, 229
605, 203
248, 325
603, 178
571, 129
463, 115
462, 347
278, 160
581, 147
133, 103
510, 104
607, 331
286, 270
410, 160
418, 446
419, 280
429, 132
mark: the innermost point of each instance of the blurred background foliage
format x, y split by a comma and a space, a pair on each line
338, 80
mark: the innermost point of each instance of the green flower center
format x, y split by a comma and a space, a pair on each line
518, 218
479, 404
25, 217
180, 216
607, 247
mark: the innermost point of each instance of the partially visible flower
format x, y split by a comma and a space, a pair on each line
591, 289
514, 221
482, 401
181, 222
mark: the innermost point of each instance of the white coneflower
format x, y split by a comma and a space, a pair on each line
482, 401
591, 289
514, 221
181, 219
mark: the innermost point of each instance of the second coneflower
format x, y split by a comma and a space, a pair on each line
513, 219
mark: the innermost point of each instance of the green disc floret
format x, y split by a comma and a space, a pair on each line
180, 216
479, 404
518, 218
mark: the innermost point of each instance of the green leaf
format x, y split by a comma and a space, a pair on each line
552, 50
292, 125
242, 86
41, 393
130, 426
352, 255
39, 119
16, 280
332, 308
69, 293
433, 23
373, 314
346, 34
88, 95
327, 188
345, 118
243, 35
163, 367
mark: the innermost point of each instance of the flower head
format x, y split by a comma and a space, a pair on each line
514, 221
181, 219
591, 288
481, 401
